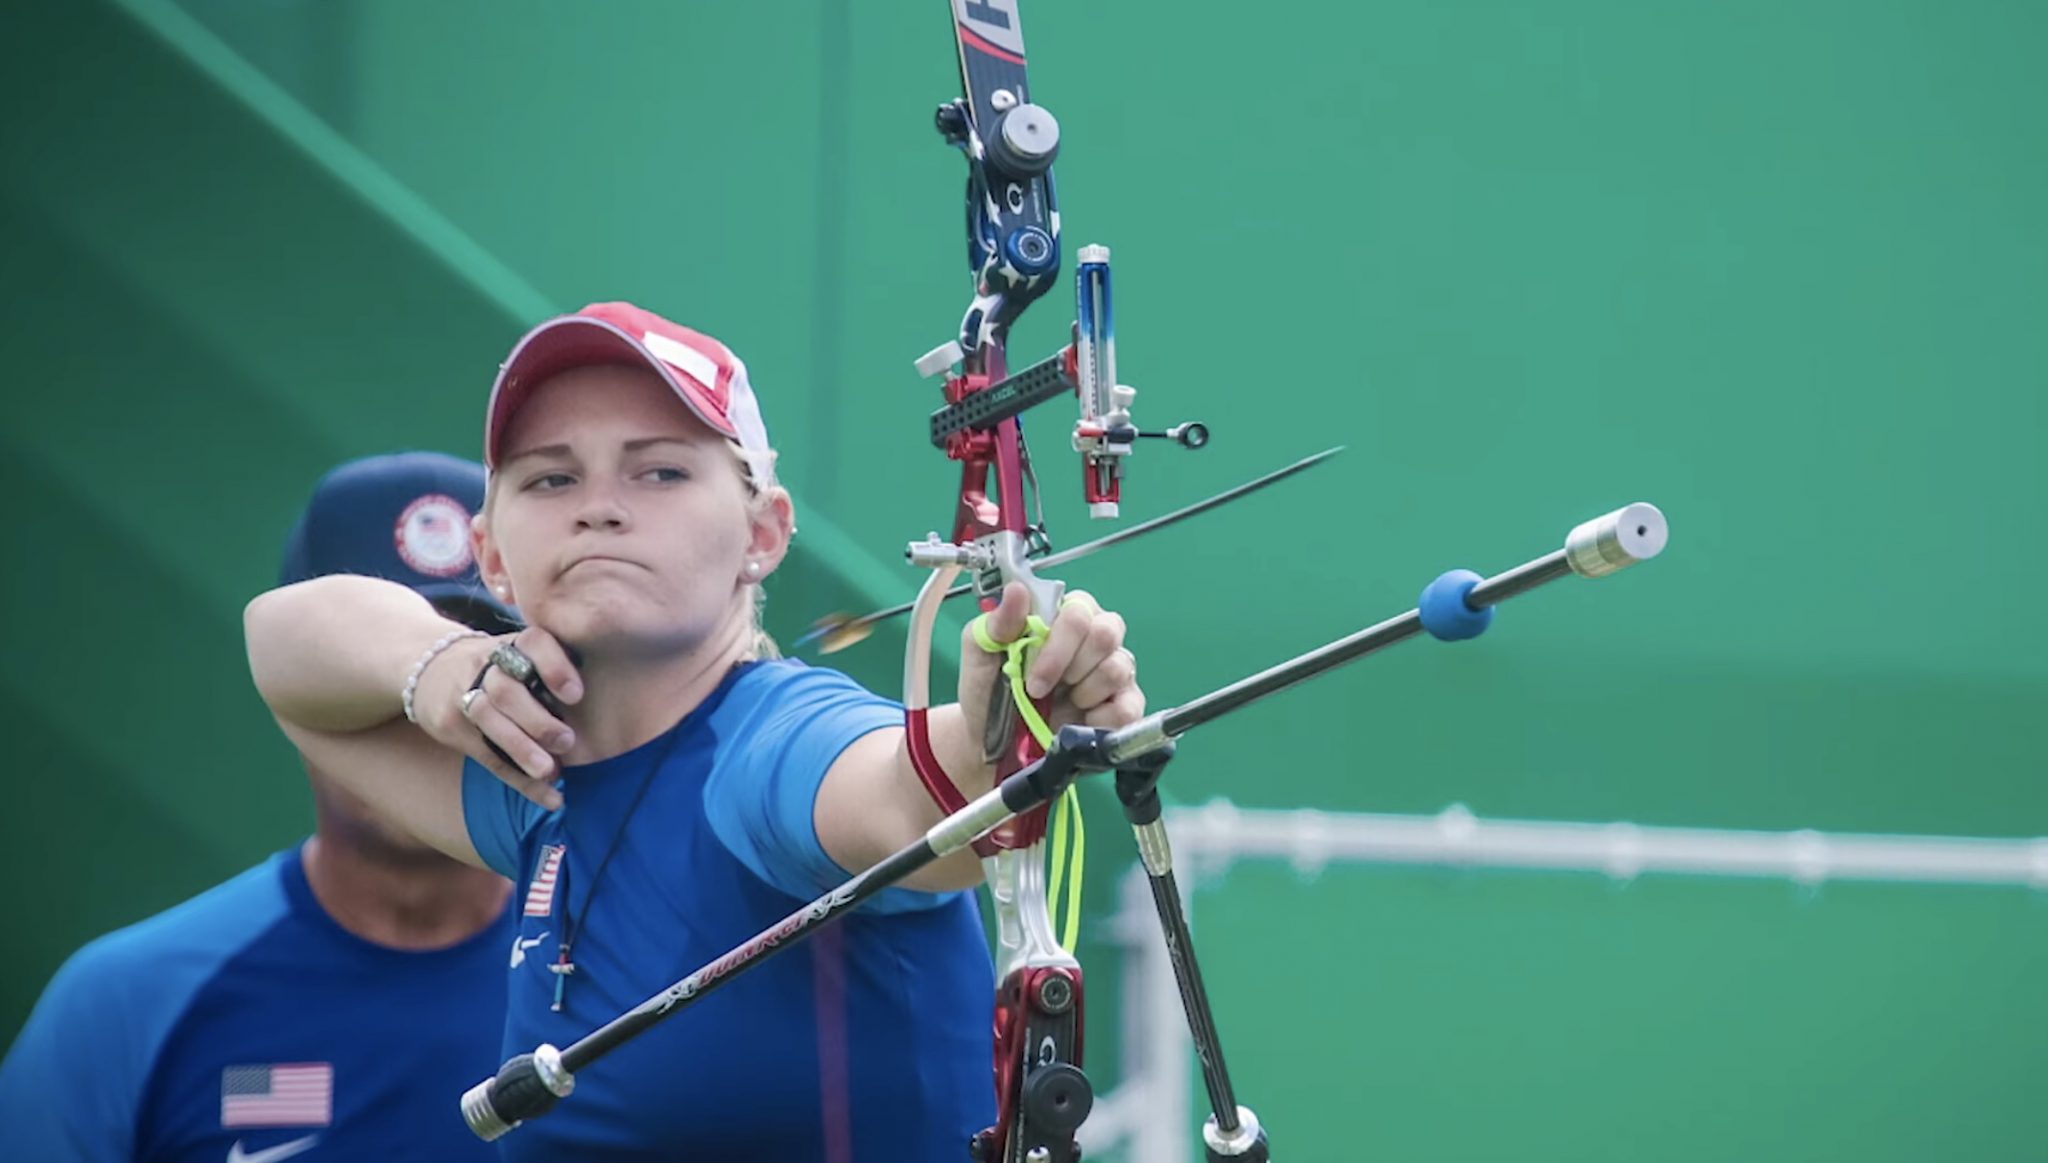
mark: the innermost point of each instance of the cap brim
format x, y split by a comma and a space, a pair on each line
573, 341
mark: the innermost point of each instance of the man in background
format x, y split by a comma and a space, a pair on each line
334, 1001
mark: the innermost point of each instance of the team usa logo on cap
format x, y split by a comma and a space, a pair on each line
433, 535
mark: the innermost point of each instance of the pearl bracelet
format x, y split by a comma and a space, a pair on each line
412, 681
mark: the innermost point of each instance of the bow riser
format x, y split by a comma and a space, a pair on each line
1013, 245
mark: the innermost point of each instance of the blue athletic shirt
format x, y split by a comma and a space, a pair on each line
870, 1041
247, 1026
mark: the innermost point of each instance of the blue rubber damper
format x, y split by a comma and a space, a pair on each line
1444, 612
1048, 251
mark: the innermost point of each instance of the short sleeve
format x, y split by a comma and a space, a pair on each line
761, 799
71, 1086
498, 818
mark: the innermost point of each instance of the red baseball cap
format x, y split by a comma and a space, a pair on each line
704, 373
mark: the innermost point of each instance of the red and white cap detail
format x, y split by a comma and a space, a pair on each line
705, 373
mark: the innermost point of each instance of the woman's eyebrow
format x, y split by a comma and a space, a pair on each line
564, 452
650, 441
550, 451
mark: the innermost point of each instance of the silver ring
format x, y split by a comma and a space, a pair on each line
513, 661
469, 698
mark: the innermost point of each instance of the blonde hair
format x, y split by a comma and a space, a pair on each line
758, 474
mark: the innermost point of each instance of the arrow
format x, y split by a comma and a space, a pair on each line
836, 632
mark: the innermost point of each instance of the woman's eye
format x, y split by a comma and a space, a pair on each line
550, 481
667, 475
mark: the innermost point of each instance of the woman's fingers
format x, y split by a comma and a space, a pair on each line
1083, 638
519, 704
1122, 709
471, 705
1082, 661
1105, 681
498, 762
520, 748
551, 662
539, 791
1006, 622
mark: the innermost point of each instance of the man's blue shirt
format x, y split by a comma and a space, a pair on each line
246, 1021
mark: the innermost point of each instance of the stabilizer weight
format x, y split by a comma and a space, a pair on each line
525, 1087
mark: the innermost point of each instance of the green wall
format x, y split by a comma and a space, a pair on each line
1778, 269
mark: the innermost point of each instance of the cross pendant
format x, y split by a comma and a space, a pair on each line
561, 969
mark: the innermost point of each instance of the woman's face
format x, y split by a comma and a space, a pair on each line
619, 520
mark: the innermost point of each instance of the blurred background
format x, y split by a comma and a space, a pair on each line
1779, 269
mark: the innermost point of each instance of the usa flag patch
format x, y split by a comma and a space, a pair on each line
286, 1094
540, 895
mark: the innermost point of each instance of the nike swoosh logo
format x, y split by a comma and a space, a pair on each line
272, 1154
520, 946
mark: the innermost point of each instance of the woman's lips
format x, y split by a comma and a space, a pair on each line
598, 559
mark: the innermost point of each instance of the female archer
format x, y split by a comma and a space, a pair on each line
676, 787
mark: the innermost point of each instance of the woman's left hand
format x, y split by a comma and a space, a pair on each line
1084, 665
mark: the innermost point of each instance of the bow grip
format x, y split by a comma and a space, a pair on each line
1012, 564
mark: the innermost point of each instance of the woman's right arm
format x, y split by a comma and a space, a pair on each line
330, 657
332, 654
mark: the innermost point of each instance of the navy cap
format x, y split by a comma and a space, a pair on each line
405, 518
